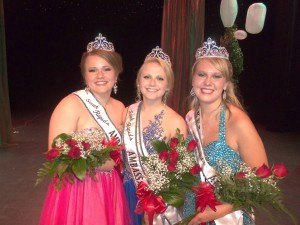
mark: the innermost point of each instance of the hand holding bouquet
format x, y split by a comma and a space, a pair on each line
75, 156
247, 189
170, 172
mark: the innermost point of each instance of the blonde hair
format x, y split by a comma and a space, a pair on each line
166, 68
225, 67
113, 58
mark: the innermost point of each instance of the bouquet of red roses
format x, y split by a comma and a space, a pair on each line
247, 189
170, 172
75, 156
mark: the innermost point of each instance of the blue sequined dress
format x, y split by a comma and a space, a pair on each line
220, 156
153, 131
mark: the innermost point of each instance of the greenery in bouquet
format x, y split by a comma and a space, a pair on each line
253, 188
74, 156
170, 171
248, 189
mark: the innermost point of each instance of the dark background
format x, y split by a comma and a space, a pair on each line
45, 40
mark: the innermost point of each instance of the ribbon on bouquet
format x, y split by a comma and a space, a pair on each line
148, 202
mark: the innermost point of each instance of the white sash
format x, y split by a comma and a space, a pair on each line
135, 148
208, 173
99, 113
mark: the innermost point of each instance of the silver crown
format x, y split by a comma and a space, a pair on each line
159, 54
100, 43
209, 49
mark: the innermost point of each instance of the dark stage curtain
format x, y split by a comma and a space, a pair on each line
5, 117
182, 34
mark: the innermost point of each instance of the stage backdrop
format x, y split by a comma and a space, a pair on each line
182, 34
5, 118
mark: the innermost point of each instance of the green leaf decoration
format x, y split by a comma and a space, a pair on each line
43, 172
179, 135
235, 52
159, 145
61, 168
173, 197
79, 168
62, 136
188, 180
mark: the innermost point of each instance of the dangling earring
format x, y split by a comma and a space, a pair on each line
115, 88
138, 94
87, 89
224, 94
165, 97
192, 92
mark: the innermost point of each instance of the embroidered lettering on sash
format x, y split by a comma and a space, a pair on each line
99, 114
134, 144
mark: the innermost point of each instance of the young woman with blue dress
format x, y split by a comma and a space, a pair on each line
226, 136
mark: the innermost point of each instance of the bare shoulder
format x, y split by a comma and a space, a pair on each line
174, 121
248, 142
69, 103
117, 104
173, 116
238, 119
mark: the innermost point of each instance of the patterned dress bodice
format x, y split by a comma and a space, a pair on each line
218, 154
153, 131
93, 135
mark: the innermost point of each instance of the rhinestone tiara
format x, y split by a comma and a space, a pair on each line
159, 54
100, 43
209, 49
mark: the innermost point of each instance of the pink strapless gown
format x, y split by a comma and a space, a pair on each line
87, 202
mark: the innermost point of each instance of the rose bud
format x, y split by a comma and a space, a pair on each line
195, 169
171, 167
240, 175
86, 145
71, 142
280, 171
192, 145
74, 153
52, 154
263, 171
173, 143
163, 156
174, 155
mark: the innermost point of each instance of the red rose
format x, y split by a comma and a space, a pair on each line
71, 142
116, 156
52, 154
110, 143
171, 167
86, 145
173, 143
240, 175
280, 171
163, 156
192, 145
74, 153
174, 156
263, 171
195, 169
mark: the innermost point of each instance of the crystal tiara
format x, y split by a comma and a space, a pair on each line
209, 49
100, 43
159, 54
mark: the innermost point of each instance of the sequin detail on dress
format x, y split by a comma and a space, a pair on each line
222, 157
153, 131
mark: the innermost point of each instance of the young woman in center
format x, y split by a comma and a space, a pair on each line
147, 120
